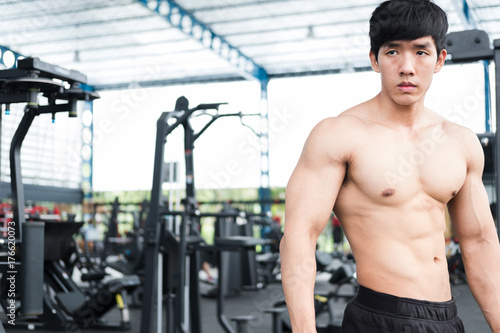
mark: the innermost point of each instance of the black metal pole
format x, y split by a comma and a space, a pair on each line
188, 155
152, 229
151, 243
496, 58
189, 226
16, 180
31, 260
221, 317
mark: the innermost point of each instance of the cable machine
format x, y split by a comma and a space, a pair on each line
172, 257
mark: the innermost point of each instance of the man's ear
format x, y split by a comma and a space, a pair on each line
440, 61
374, 62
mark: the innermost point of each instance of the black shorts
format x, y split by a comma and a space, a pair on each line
374, 312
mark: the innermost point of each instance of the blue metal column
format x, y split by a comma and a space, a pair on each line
487, 96
264, 190
87, 150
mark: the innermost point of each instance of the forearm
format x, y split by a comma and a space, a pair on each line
481, 260
298, 274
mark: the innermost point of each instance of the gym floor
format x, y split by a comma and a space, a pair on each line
255, 302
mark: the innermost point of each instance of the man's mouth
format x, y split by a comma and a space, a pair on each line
406, 86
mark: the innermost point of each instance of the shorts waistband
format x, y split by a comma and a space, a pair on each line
406, 306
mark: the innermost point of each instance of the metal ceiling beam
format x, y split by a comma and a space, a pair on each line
239, 5
301, 14
58, 26
179, 18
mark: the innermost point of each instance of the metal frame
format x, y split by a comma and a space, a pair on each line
158, 240
463, 9
179, 18
154, 234
23, 85
45, 193
496, 59
483, 53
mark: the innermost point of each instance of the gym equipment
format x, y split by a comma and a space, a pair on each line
32, 265
65, 302
126, 254
23, 85
244, 264
265, 267
343, 275
128, 248
342, 270
474, 45
48, 296
172, 248
456, 268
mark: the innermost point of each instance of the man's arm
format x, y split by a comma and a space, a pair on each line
475, 229
310, 196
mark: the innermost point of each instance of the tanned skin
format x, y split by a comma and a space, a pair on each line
389, 168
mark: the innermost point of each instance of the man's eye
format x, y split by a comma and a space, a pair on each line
391, 52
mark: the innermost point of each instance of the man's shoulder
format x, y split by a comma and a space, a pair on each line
342, 121
464, 139
460, 132
346, 122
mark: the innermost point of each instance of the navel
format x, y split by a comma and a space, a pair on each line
388, 192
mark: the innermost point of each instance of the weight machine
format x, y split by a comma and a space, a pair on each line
49, 299
474, 45
172, 251
23, 85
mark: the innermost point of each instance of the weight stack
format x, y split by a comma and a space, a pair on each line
32, 258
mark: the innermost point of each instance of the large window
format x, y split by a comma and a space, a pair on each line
50, 154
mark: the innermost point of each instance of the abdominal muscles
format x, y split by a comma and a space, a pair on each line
399, 248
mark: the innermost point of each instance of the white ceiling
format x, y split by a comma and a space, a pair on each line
124, 43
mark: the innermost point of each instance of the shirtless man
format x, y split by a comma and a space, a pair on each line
389, 168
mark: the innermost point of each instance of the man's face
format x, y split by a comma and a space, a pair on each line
406, 68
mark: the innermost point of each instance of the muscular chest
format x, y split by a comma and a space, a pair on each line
390, 166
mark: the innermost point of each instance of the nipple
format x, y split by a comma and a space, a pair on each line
388, 192
454, 193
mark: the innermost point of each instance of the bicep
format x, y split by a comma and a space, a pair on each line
470, 210
313, 187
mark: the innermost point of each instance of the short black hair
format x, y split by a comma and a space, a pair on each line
407, 20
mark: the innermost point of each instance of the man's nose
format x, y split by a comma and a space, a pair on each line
407, 65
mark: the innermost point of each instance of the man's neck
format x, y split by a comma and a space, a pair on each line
401, 116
